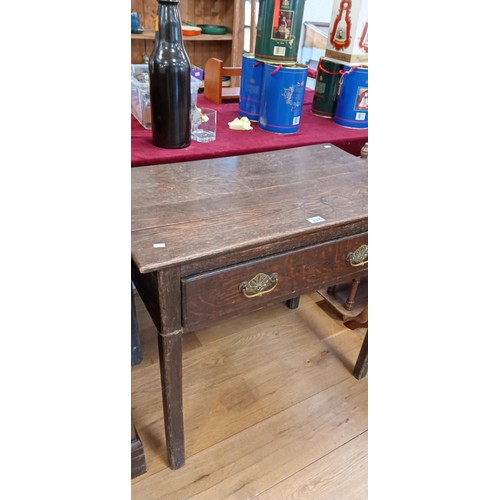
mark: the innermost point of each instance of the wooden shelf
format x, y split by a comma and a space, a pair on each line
227, 47
150, 35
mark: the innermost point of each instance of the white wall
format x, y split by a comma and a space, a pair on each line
318, 10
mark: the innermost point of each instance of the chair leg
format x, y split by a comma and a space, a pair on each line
361, 367
138, 460
136, 341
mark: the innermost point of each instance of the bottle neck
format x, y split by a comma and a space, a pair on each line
169, 22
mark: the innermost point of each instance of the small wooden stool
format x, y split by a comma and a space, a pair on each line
350, 301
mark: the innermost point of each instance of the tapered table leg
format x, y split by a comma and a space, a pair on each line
361, 367
170, 351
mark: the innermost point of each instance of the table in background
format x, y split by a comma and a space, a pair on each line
214, 239
314, 42
313, 130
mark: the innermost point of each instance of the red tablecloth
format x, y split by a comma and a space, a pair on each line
313, 130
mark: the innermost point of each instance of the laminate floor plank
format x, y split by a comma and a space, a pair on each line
341, 474
251, 462
269, 368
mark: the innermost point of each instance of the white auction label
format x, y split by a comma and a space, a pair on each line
159, 245
313, 220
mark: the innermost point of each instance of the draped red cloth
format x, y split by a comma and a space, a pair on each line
313, 130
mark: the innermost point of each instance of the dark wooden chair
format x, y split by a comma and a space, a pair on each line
136, 341
214, 71
138, 466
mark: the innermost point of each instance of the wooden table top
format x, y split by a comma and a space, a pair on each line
190, 212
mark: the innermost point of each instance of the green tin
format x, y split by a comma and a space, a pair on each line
325, 91
278, 31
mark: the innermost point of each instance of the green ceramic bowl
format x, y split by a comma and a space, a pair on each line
212, 29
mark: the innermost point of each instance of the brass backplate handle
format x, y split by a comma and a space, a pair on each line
359, 257
259, 285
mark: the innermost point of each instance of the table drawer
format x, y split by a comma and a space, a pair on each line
249, 286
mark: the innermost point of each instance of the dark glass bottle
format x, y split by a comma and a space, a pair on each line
170, 81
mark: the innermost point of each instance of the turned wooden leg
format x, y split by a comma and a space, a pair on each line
349, 303
293, 303
361, 367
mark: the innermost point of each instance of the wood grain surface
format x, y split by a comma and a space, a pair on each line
213, 207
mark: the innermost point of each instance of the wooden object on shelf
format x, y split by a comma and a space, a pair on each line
228, 47
214, 71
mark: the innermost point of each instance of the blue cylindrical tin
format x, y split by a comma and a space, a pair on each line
282, 98
352, 102
250, 88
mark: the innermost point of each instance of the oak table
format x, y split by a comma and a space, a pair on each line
216, 238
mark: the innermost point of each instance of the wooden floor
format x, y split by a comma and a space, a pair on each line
271, 409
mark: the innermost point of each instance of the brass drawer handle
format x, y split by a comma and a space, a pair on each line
259, 285
359, 257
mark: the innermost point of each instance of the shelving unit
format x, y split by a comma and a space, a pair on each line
228, 47
150, 35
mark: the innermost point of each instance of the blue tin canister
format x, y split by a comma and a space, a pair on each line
352, 101
282, 98
250, 88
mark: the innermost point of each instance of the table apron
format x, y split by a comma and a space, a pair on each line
249, 286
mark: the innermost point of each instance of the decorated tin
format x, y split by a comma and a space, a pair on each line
352, 102
278, 31
347, 41
250, 88
282, 98
325, 91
